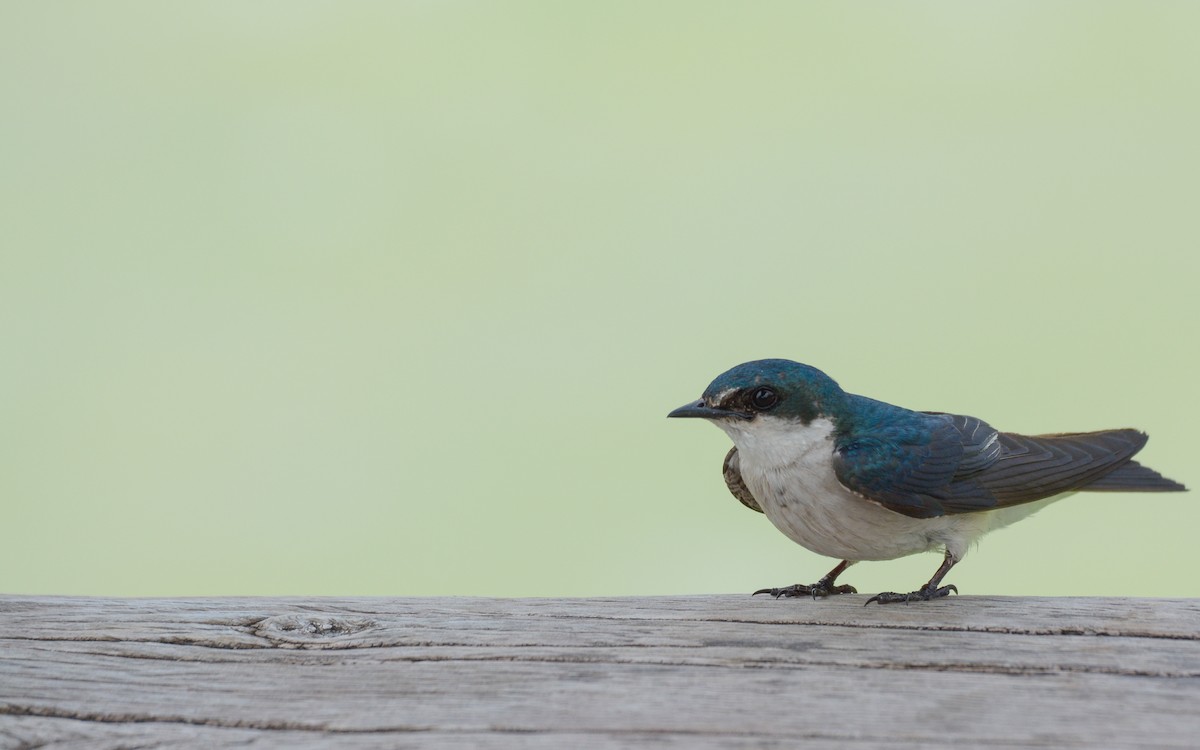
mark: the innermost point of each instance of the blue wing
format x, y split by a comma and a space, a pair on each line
926, 464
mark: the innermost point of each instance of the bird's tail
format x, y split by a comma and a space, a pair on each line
1133, 477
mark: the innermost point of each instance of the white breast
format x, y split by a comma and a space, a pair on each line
788, 467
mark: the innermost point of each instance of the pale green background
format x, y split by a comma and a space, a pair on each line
393, 298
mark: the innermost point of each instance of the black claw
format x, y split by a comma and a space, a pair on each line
773, 592
923, 595
816, 590
798, 589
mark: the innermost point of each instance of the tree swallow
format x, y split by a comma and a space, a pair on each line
852, 478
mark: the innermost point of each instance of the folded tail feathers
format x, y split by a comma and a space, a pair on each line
1133, 477
1043, 465
1130, 476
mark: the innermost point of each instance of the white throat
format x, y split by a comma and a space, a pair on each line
772, 443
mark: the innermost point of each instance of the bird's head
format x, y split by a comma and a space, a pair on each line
766, 391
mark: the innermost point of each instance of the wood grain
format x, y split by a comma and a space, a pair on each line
694, 672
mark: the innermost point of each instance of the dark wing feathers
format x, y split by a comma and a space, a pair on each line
1030, 468
733, 480
936, 464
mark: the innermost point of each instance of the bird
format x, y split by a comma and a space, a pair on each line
856, 479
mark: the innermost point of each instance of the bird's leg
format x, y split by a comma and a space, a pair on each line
925, 593
823, 587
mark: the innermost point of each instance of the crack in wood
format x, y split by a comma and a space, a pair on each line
10, 709
852, 735
997, 630
714, 663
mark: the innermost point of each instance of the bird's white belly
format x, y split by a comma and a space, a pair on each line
789, 470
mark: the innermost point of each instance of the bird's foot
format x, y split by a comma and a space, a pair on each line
816, 590
924, 595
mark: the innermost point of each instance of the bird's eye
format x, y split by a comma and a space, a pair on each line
764, 398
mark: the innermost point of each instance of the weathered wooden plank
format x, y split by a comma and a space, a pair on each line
725, 671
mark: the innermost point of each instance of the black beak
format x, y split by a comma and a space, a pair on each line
698, 409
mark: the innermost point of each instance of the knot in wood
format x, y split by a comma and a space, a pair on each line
311, 629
